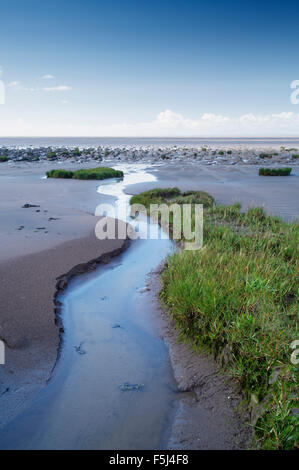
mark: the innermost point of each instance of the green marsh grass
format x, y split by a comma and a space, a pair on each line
99, 173
275, 171
240, 291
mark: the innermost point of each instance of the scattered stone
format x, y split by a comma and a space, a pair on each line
79, 349
126, 386
151, 153
27, 206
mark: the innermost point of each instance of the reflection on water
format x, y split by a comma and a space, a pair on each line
109, 318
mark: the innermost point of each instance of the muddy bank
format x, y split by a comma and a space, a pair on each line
212, 414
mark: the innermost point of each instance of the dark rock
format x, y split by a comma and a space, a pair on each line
26, 206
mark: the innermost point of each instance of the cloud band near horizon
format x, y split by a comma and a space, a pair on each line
166, 124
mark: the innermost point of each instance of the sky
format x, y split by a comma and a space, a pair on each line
149, 68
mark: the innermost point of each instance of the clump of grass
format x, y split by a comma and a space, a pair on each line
171, 196
220, 152
275, 171
3, 158
59, 174
77, 152
240, 292
229, 152
265, 155
295, 156
51, 156
99, 173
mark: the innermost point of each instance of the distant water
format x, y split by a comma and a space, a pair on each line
144, 141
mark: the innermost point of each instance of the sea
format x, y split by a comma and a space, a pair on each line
24, 142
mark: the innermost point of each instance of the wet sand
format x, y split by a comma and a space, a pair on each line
279, 195
54, 240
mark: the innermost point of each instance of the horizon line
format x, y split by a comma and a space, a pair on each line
146, 137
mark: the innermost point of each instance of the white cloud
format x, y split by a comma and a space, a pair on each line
167, 123
57, 88
15, 84
47, 77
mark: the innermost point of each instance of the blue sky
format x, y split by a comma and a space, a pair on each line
140, 67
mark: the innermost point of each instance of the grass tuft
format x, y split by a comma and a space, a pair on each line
99, 173
240, 292
275, 171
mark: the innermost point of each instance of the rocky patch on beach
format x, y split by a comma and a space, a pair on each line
150, 154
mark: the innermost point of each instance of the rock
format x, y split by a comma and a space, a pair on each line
117, 325
27, 206
126, 386
79, 349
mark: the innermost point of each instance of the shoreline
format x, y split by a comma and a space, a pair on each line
245, 153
